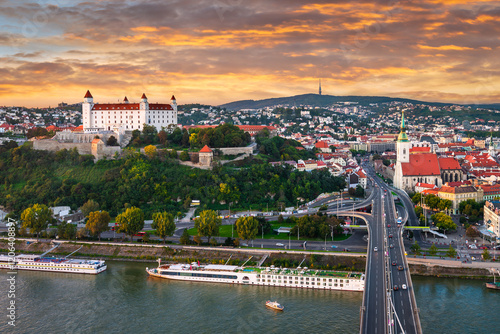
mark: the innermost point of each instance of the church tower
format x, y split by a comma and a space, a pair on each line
319, 86
403, 146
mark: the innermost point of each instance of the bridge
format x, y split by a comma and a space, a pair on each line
389, 304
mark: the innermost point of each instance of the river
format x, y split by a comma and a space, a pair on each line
125, 300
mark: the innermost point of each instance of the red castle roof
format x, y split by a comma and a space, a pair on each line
88, 94
205, 149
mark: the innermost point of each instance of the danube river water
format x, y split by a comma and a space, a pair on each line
125, 300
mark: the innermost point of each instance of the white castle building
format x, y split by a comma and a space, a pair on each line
126, 116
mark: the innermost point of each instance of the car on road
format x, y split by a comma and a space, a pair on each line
244, 244
390, 235
396, 288
394, 263
391, 246
388, 225
279, 244
333, 246
375, 249
400, 267
403, 286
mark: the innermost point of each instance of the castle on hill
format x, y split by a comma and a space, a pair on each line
126, 116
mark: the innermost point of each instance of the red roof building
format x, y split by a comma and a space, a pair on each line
205, 149
421, 164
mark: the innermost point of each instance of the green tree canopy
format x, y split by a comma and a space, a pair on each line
433, 250
163, 223
451, 252
89, 206
131, 221
185, 238
486, 255
247, 227
98, 222
36, 218
444, 222
208, 224
415, 248
416, 198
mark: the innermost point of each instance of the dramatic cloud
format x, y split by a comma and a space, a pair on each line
218, 51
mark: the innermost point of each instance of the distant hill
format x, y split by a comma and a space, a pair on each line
315, 100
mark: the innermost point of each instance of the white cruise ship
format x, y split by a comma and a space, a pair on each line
60, 265
264, 276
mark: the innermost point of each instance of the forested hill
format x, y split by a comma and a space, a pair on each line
314, 100
154, 184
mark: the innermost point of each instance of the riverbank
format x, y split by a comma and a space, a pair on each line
219, 255
188, 254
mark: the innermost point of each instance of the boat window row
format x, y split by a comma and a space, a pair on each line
290, 278
199, 275
301, 283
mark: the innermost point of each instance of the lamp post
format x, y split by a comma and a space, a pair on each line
232, 225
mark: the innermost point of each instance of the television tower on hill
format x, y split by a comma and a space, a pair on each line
319, 86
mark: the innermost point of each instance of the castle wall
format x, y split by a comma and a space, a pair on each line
236, 150
53, 145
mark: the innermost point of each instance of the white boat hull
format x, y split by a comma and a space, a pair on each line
262, 279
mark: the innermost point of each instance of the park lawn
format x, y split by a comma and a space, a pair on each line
225, 231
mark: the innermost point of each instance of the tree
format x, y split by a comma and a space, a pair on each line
486, 255
208, 224
88, 207
247, 227
471, 232
360, 192
415, 248
36, 218
185, 238
433, 250
112, 141
66, 230
98, 222
150, 151
451, 252
131, 221
184, 156
418, 211
162, 137
163, 223
197, 239
416, 198
444, 222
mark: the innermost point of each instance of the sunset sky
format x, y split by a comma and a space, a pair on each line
218, 51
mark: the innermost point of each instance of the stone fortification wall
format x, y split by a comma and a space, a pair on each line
236, 150
54, 145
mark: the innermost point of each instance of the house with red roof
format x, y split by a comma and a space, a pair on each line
323, 146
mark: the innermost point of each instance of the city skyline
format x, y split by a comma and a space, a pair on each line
220, 51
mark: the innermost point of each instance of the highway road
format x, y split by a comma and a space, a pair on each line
373, 315
403, 316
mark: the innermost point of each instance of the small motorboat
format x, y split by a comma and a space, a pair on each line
274, 305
